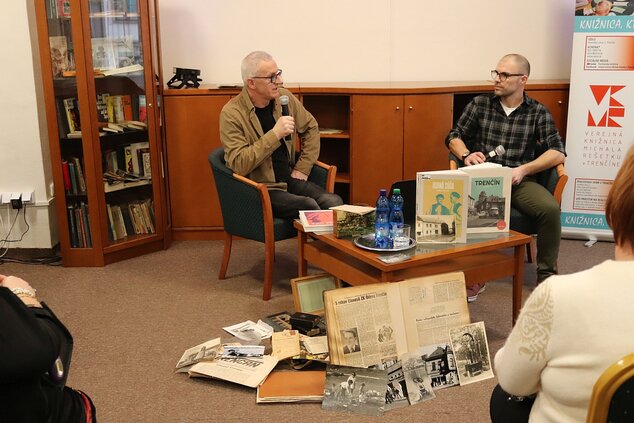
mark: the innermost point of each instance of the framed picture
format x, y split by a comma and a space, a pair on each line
308, 292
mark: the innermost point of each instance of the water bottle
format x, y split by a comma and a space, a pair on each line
382, 224
396, 220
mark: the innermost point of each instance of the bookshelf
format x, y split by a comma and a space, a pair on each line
100, 66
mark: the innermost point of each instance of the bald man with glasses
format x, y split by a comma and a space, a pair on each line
510, 118
259, 142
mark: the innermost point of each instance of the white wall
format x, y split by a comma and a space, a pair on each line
367, 40
313, 41
24, 156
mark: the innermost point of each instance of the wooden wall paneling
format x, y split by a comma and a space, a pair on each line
192, 132
376, 145
428, 119
557, 103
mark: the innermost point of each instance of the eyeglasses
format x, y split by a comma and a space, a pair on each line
503, 75
271, 78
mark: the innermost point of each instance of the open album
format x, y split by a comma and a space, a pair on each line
377, 323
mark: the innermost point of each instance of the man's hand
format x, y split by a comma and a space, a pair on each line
284, 126
474, 158
14, 282
518, 174
299, 175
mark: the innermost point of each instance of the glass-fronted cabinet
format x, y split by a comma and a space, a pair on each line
101, 81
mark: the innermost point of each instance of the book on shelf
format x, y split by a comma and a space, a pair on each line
403, 316
489, 202
66, 177
79, 225
247, 371
103, 54
317, 220
292, 386
441, 216
60, 59
72, 226
81, 182
63, 8
71, 109
125, 69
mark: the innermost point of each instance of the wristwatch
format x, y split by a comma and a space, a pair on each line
465, 155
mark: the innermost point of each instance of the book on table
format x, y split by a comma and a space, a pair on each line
317, 220
376, 323
441, 216
489, 205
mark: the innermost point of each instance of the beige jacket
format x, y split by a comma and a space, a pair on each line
248, 151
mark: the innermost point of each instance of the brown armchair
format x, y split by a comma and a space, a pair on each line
247, 213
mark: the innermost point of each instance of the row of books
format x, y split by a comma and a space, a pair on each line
74, 182
58, 9
133, 158
121, 108
79, 225
132, 218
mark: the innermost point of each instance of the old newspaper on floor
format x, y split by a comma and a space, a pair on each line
375, 323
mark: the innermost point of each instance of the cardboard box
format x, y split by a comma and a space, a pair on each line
351, 221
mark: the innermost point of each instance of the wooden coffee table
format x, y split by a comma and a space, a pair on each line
482, 259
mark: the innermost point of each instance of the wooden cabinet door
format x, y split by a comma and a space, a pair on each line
557, 102
192, 132
427, 122
376, 150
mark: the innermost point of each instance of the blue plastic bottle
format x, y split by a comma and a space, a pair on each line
382, 224
396, 212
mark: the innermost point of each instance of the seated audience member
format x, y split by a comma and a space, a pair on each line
259, 141
572, 328
32, 378
508, 117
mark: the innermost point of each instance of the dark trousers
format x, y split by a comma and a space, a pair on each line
301, 195
535, 201
505, 408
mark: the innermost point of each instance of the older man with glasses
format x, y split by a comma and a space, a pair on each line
259, 139
510, 118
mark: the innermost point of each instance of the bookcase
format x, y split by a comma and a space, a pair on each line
101, 80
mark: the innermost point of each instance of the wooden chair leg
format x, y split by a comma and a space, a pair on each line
269, 260
225, 256
531, 251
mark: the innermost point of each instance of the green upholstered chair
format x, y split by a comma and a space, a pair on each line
612, 397
246, 211
554, 179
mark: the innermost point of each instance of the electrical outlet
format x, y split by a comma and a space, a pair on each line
28, 197
16, 201
6, 197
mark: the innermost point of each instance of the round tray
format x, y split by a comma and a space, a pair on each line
367, 243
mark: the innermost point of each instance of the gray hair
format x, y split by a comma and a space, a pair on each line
251, 64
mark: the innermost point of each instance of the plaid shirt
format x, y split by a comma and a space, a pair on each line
484, 125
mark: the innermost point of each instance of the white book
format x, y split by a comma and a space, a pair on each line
489, 201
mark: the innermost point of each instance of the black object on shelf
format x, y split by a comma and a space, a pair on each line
184, 77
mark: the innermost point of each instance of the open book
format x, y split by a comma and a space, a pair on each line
373, 324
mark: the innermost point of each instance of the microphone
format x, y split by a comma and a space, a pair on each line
284, 103
496, 152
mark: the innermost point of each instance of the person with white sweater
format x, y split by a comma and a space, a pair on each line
571, 328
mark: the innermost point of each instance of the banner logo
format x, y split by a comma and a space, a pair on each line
608, 109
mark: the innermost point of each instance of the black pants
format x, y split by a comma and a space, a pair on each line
505, 408
301, 195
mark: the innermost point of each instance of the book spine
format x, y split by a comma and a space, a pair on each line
81, 227
72, 227
66, 176
73, 178
84, 211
